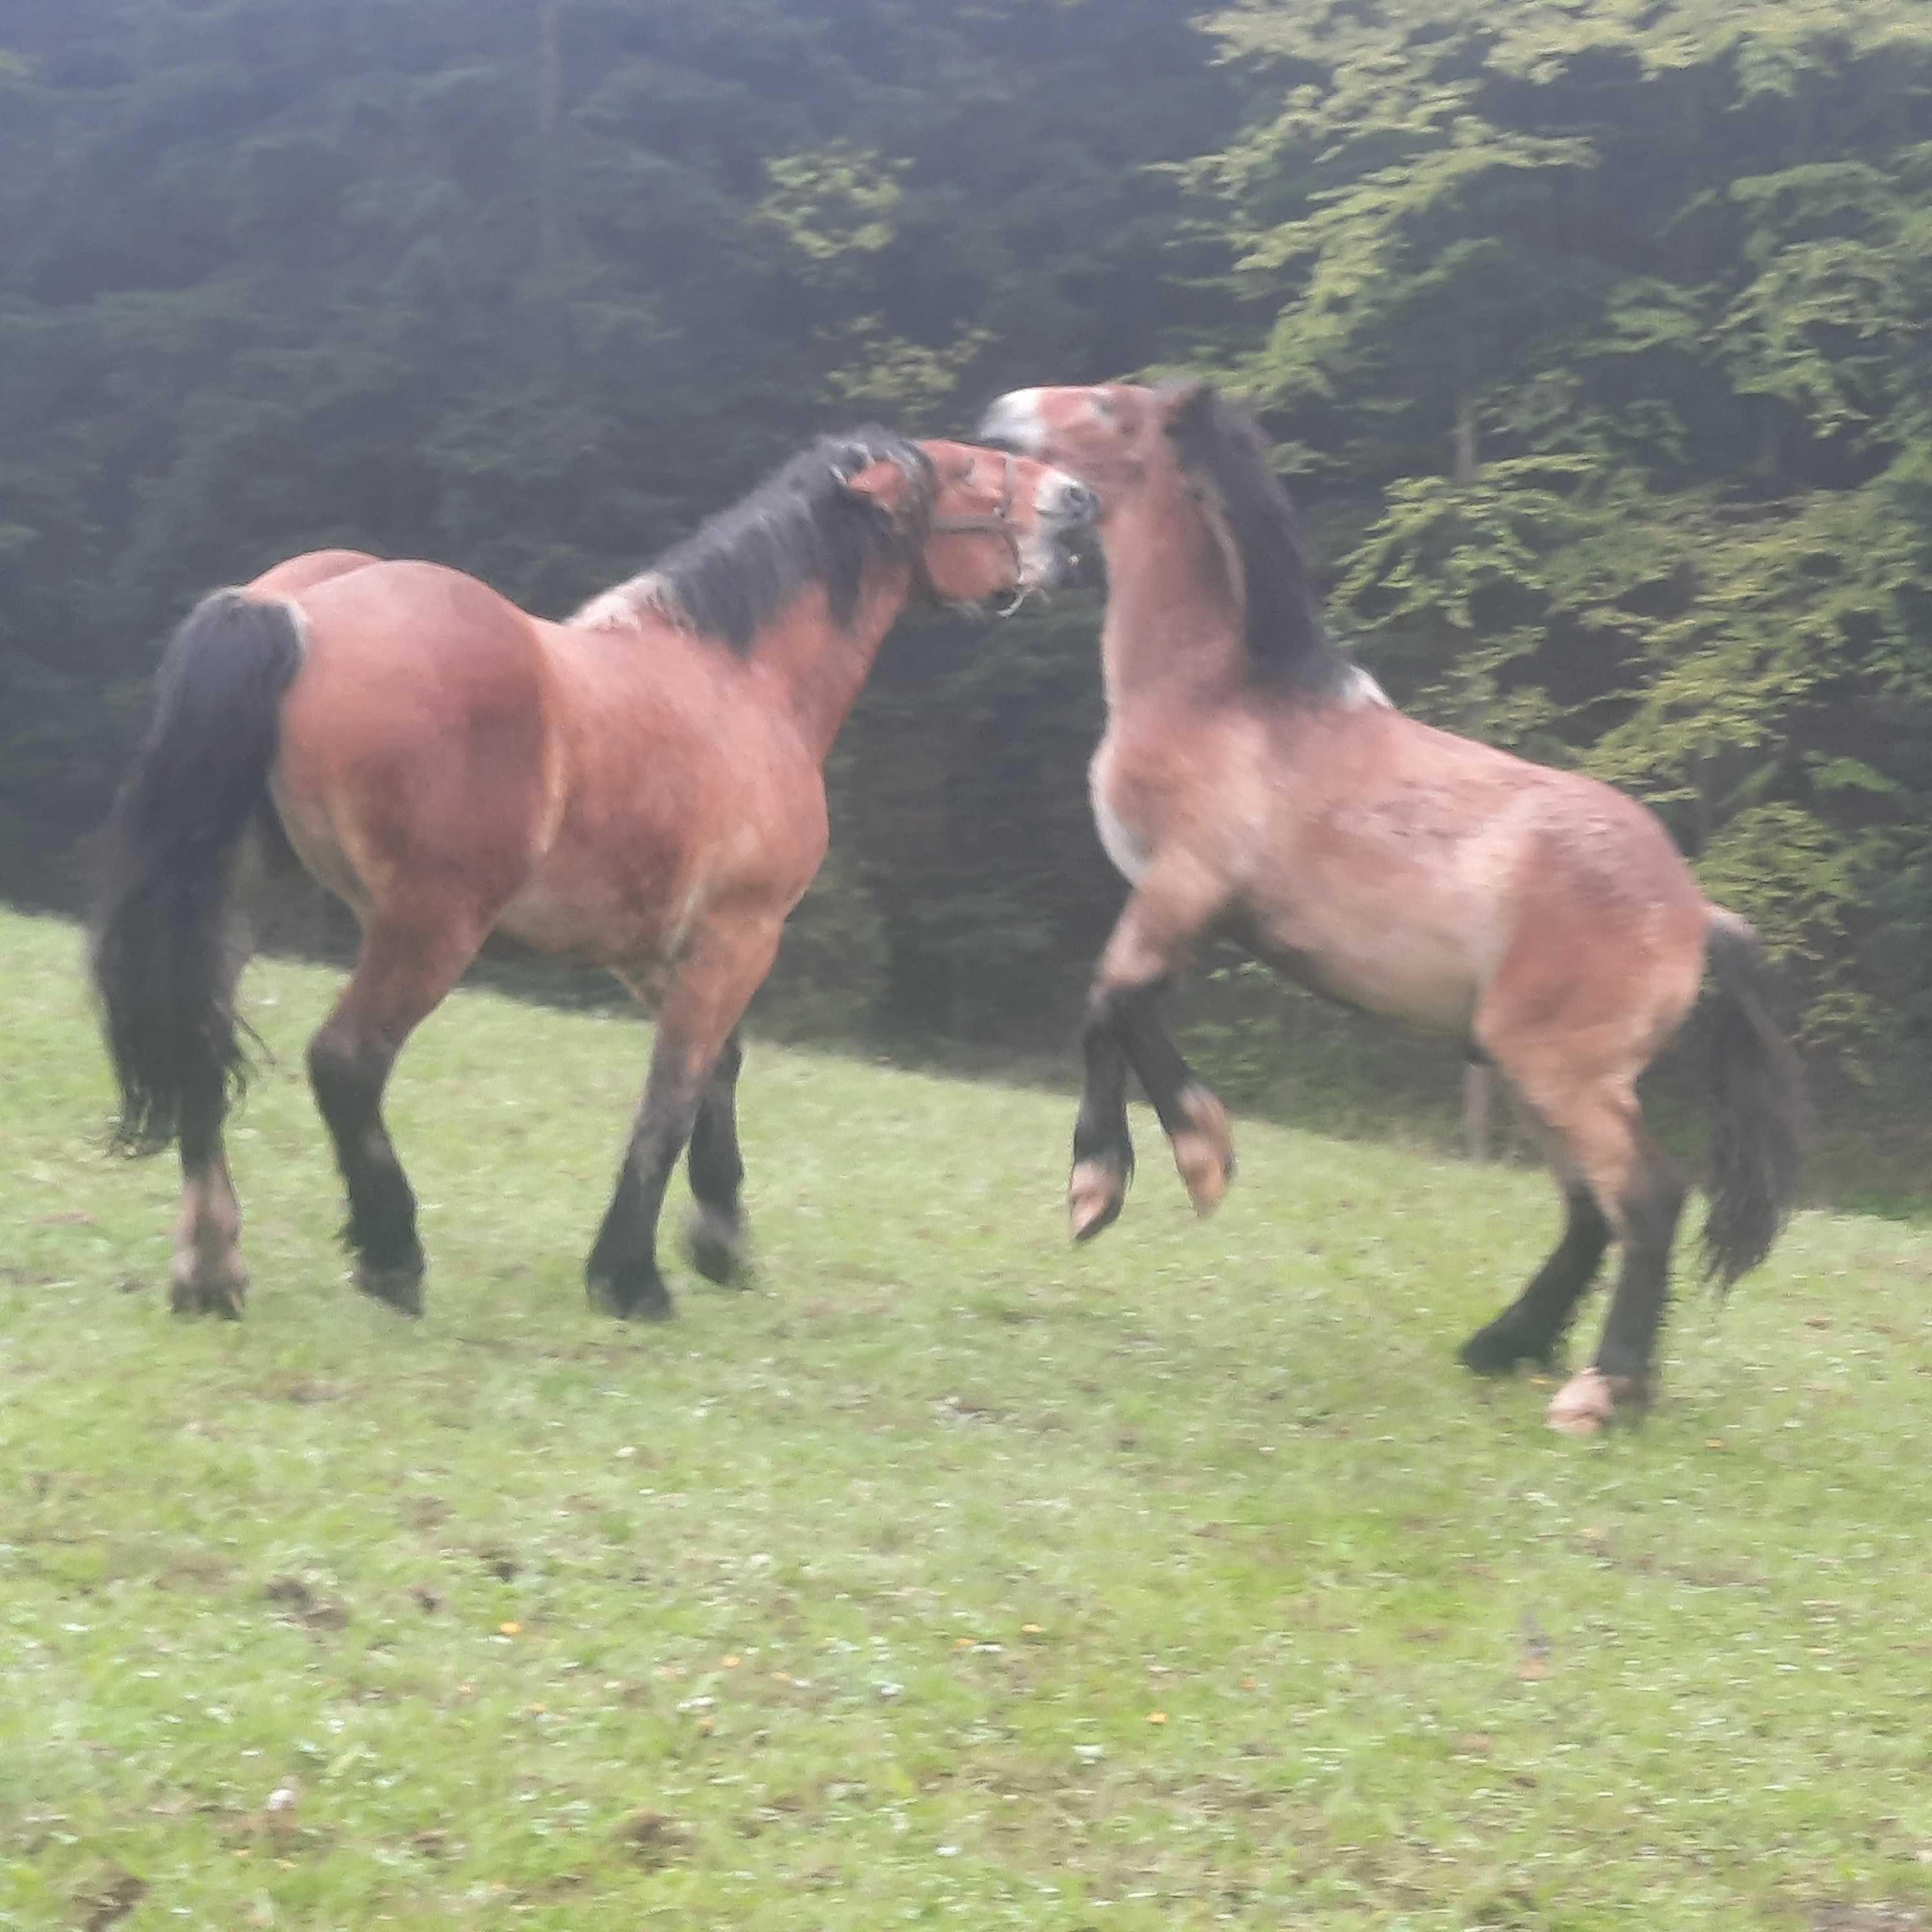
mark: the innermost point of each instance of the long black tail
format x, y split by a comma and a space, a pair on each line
161, 955
1761, 1111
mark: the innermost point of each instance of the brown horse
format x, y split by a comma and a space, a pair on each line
640, 787
1252, 779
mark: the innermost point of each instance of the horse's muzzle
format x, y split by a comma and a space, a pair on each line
1067, 511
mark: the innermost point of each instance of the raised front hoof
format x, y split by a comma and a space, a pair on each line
717, 1250
399, 1287
631, 1294
1499, 1350
1204, 1149
1096, 1193
225, 1293
1590, 1401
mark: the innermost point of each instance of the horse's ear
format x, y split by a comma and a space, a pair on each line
881, 481
1191, 416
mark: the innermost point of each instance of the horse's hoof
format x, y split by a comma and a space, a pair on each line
1203, 1150
630, 1297
717, 1249
1496, 1350
1487, 1354
223, 1292
397, 1288
1590, 1399
1095, 1195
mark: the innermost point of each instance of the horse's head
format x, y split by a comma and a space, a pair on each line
987, 523
1187, 485
1115, 437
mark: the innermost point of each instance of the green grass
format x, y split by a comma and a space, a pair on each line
952, 1578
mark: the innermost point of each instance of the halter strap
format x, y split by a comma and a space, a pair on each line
998, 524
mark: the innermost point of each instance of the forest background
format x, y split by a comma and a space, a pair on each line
1595, 336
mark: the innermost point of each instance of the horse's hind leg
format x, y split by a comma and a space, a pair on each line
1620, 1377
407, 965
713, 984
716, 1238
1639, 1194
207, 1275
1531, 1329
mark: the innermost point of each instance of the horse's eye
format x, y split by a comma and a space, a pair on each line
1103, 407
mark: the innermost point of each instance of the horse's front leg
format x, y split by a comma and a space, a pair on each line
1177, 897
707, 996
1103, 1149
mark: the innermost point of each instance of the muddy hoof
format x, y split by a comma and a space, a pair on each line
1203, 1150
397, 1288
1096, 1193
1590, 1400
717, 1250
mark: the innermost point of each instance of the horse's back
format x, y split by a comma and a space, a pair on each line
1596, 919
1401, 867
416, 740
1486, 814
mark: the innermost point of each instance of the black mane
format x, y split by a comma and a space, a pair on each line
1220, 443
800, 526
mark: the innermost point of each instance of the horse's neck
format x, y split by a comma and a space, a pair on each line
817, 667
1173, 630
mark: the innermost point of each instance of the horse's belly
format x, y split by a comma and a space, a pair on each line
553, 922
581, 912
1405, 970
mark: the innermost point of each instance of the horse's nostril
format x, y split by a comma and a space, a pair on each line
1080, 501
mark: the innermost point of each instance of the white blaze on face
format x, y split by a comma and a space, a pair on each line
1015, 420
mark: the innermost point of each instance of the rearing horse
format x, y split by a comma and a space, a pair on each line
1252, 777
641, 788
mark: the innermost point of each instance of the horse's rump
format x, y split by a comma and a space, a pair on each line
417, 738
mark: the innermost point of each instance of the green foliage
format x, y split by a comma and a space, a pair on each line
533, 287
832, 204
1615, 324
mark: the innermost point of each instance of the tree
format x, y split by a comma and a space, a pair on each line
1620, 313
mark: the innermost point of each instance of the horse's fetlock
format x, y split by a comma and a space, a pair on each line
1096, 1191
1204, 1148
716, 1243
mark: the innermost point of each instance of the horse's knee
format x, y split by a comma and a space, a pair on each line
1111, 1002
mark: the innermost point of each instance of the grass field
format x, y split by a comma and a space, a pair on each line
951, 1577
